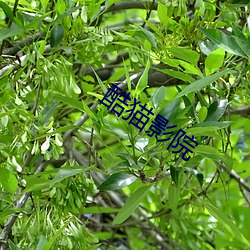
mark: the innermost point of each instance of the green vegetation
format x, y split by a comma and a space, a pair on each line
74, 175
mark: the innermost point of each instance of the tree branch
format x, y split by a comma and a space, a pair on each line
21, 44
236, 177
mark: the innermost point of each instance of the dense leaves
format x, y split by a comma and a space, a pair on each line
124, 124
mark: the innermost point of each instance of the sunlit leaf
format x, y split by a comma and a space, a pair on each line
8, 180
117, 181
214, 61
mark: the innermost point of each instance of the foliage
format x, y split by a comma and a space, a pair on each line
74, 175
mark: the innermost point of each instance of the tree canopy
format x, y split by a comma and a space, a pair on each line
124, 124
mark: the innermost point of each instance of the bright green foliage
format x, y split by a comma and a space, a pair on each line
74, 175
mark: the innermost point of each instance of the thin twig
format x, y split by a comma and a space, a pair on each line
148, 14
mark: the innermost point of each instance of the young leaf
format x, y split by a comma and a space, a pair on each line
7, 10
117, 181
214, 61
56, 35
8, 180
143, 81
186, 54
162, 12
202, 114
132, 203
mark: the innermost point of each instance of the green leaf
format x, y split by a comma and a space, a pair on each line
13, 246
214, 61
198, 175
9, 211
49, 244
117, 181
49, 110
35, 183
41, 243
219, 125
177, 74
104, 88
197, 85
162, 12
214, 154
9, 32
147, 35
132, 203
143, 81
88, 111
7, 10
56, 35
8, 180
170, 111
227, 223
202, 113
70, 101
223, 41
68, 12
186, 54
244, 45
200, 130
44, 3
189, 68
158, 97
98, 210
216, 110
173, 196
174, 172
66, 172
